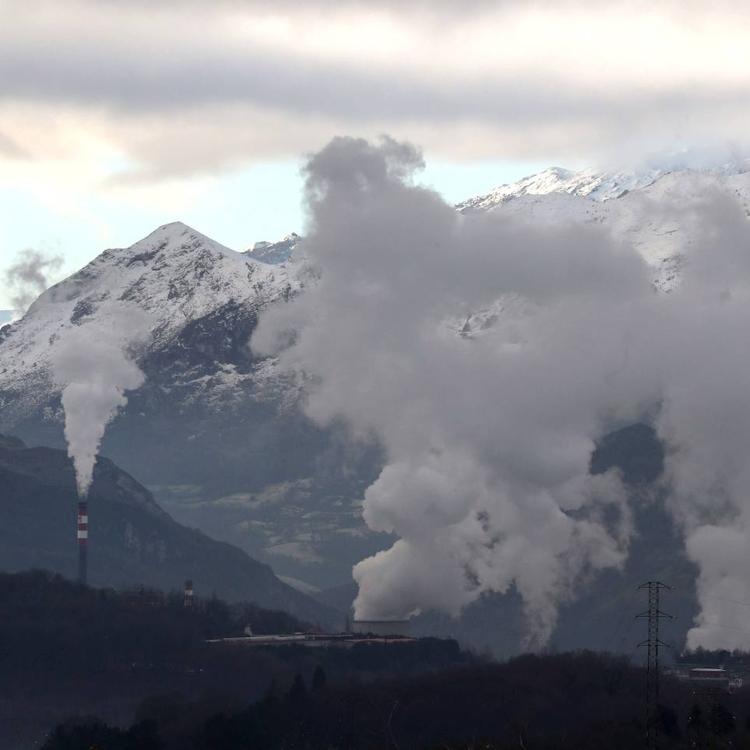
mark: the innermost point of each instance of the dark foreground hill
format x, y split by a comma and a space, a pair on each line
132, 540
583, 701
68, 650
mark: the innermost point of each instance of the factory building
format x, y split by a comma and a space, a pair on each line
709, 677
382, 628
313, 640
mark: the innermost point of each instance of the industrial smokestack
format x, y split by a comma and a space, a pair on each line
188, 600
83, 538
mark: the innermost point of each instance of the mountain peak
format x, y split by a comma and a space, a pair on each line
174, 276
171, 230
176, 225
175, 235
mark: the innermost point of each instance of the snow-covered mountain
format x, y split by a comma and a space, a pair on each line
592, 184
599, 186
645, 209
176, 275
216, 432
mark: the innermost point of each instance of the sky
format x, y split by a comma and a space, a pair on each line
119, 116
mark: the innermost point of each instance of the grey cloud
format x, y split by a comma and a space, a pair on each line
119, 75
457, 8
9, 148
171, 81
441, 7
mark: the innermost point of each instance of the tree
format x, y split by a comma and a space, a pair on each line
721, 721
298, 691
695, 718
319, 679
668, 722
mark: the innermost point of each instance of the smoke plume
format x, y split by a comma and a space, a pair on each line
93, 366
29, 276
488, 436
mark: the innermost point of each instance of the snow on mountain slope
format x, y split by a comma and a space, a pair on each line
590, 183
175, 275
598, 186
645, 209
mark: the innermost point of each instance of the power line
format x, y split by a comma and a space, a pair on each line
654, 615
725, 599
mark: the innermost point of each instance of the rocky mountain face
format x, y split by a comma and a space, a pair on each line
132, 540
274, 252
217, 433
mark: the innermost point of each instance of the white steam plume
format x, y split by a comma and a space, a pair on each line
29, 276
701, 347
92, 365
488, 439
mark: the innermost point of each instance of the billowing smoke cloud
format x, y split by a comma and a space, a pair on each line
29, 276
488, 436
702, 352
92, 364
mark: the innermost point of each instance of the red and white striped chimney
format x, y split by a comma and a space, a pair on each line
83, 538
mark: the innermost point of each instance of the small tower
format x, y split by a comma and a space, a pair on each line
188, 600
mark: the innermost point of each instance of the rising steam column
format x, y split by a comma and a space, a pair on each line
83, 538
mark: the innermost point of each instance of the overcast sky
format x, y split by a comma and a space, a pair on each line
119, 115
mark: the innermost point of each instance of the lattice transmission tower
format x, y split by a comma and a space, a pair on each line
654, 615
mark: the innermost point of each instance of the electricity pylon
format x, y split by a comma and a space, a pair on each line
653, 644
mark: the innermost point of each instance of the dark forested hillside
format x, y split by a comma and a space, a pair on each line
132, 540
582, 701
68, 650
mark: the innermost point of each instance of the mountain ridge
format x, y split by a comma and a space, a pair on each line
597, 185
